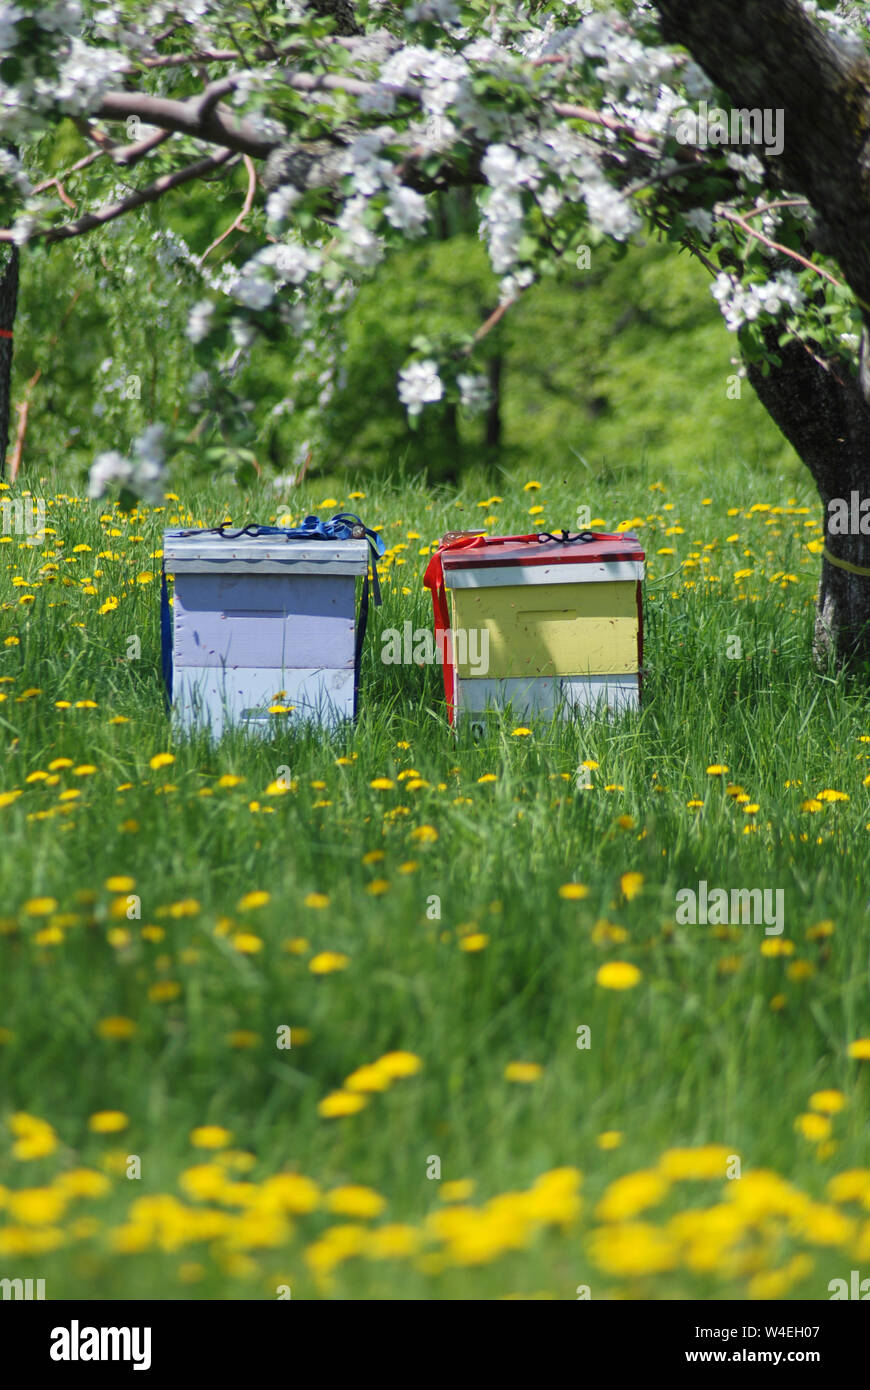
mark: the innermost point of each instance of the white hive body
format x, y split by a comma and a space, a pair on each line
261, 621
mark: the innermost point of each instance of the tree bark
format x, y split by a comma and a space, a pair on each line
493, 411
342, 12
8, 302
822, 412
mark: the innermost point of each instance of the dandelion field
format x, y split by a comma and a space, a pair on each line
174, 916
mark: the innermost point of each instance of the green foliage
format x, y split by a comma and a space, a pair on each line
627, 361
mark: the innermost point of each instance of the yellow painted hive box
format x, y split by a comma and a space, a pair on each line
541, 623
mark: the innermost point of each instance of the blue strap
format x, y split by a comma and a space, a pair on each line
166, 639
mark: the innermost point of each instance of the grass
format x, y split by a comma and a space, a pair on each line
717, 1048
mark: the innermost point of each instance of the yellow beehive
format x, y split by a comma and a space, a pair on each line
542, 622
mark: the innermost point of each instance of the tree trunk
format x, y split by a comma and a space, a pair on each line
8, 302
823, 414
493, 412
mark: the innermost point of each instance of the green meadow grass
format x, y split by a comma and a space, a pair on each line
717, 1043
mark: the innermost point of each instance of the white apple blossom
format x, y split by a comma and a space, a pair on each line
419, 385
610, 210
254, 291
281, 202
363, 247
200, 320
9, 17
108, 468
407, 210
474, 392
742, 304
701, 219
440, 11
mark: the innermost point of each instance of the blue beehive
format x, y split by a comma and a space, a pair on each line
263, 625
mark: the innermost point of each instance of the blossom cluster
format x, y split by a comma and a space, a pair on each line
742, 304
144, 474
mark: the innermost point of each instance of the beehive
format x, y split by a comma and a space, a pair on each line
559, 622
261, 621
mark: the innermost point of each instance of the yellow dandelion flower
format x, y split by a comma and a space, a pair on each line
819, 930
424, 835
164, 991
812, 1126
829, 1102
341, 1103
706, 1161
800, 970
210, 1137
573, 891
618, 974
368, 1078
634, 1249
116, 1026
328, 961
37, 1206
258, 898
34, 1138
851, 1186
777, 946
459, 1190
82, 1182
610, 1139
628, 1196
185, 907
631, 884
355, 1200
108, 1122
393, 1241
120, 883
399, 1064
49, 936
247, 943
523, 1072
40, 907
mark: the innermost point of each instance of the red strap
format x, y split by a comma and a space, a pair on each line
5, 332
434, 579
